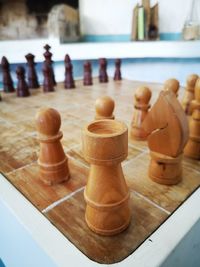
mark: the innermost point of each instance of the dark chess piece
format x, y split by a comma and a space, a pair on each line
103, 77
49, 61
69, 80
32, 75
22, 86
48, 84
67, 59
87, 79
7, 79
117, 75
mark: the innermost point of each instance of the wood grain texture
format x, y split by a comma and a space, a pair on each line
63, 204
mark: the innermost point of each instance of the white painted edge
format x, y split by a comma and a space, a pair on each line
61, 251
16, 50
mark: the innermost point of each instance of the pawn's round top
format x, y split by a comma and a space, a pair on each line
104, 106
142, 95
48, 121
172, 85
191, 80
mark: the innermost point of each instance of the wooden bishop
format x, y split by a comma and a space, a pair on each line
52, 159
105, 146
167, 128
32, 75
192, 148
172, 85
104, 107
7, 79
142, 98
189, 93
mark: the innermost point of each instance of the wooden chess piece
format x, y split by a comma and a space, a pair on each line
32, 75
105, 146
87, 79
49, 61
104, 107
48, 84
167, 126
189, 93
117, 75
195, 103
69, 80
67, 59
172, 85
192, 148
7, 79
142, 98
22, 86
52, 159
103, 76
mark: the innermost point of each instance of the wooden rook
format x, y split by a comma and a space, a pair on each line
22, 86
87, 77
105, 146
7, 79
141, 105
32, 75
189, 93
172, 85
103, 76
49, 61
192, 148
48, 84
52, 159
104, 107
167, 126
69, 80
117, 75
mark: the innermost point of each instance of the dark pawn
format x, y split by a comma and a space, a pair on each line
32, 75
7, 80
69, 80
87, 80
103, 77
48, 56
117, 75
22, 86
48, 84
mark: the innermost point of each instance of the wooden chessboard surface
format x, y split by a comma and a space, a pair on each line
63, 204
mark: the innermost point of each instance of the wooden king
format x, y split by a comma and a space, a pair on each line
167, 126
105, 146
52, 159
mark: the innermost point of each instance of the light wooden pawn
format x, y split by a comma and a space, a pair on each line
104, 107
141, 105
52, 159
172, 85
189, 93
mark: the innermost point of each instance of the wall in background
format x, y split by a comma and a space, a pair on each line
108, 17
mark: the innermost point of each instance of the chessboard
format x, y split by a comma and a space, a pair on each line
63, 204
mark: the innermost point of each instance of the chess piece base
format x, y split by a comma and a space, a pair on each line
54, 174
165, 169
